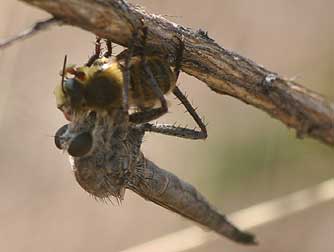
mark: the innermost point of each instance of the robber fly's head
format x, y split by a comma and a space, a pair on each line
76, 138
77, 145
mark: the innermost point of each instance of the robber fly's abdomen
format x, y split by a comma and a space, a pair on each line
167, 190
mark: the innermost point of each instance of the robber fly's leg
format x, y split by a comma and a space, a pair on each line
108, 53
173, 130
151, 114
127, 77
154, 85
178, 58
97, 53
184, 132
203, 134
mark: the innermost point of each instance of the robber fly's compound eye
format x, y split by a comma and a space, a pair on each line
60, 132
80, 145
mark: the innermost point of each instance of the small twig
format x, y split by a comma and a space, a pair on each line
37, 27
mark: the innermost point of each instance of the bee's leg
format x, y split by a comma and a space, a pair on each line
108, 53
182, 132
97, 53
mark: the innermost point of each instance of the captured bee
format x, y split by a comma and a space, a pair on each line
101, 85
135, 77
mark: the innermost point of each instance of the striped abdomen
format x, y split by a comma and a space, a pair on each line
141, 93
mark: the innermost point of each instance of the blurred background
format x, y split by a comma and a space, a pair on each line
247, 159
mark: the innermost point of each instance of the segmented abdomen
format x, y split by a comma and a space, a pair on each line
141, 82
167, 190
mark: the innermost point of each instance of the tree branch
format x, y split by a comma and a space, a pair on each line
223, 71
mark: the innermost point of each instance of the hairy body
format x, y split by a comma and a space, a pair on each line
99, 87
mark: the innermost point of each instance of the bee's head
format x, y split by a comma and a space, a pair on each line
74, 91
70, 92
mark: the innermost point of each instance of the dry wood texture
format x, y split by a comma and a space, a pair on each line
223, 71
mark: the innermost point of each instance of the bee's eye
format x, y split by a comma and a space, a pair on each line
60, 132
80, 145
74, 90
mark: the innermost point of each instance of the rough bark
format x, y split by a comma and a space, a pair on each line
223, 71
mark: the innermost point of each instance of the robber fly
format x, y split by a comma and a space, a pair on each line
115, 163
